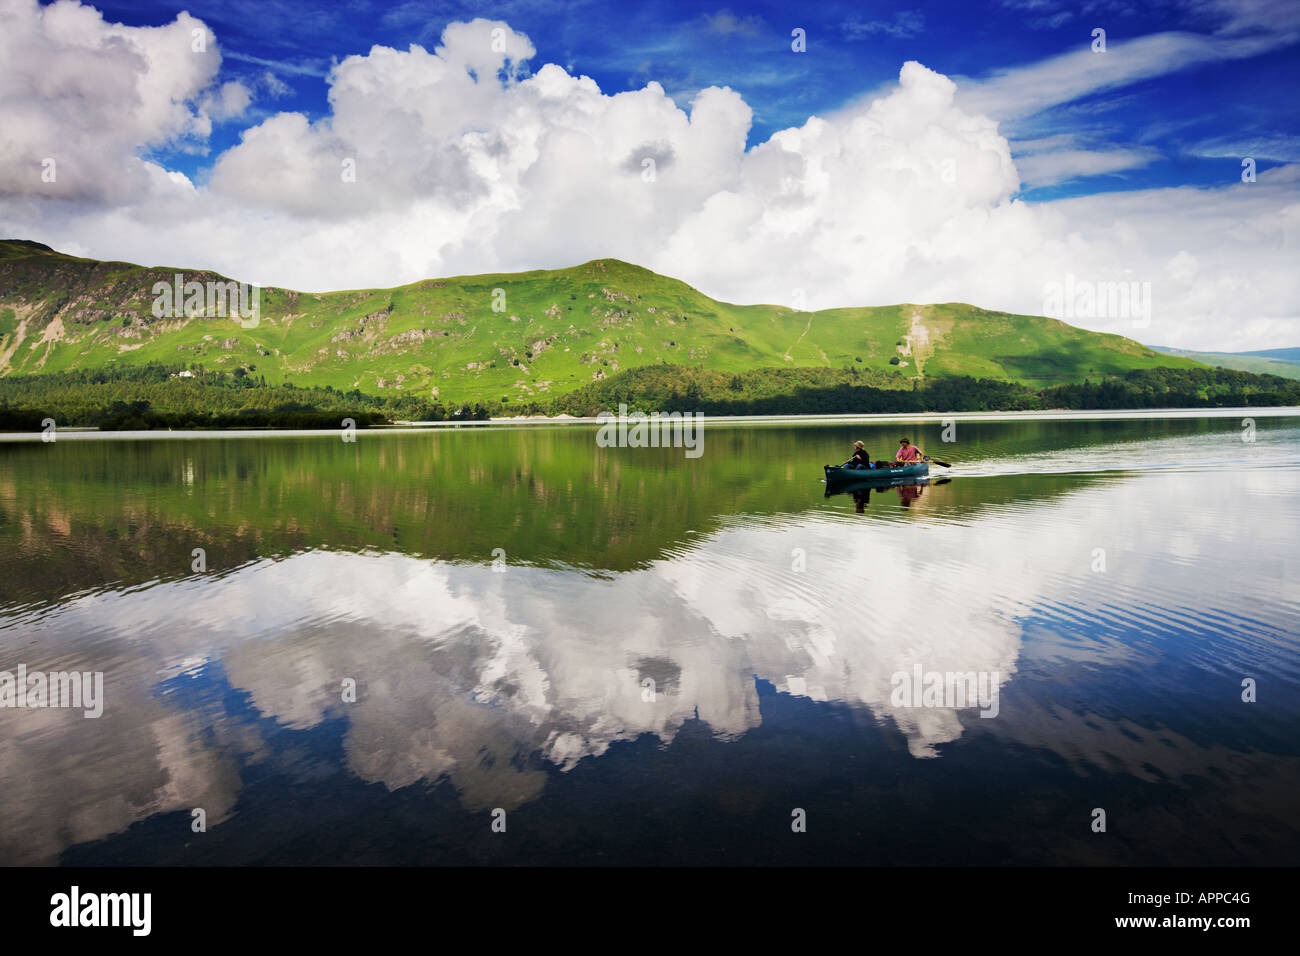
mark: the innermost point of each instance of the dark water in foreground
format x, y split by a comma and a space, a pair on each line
1112, 584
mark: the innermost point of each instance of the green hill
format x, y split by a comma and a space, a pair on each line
521, 337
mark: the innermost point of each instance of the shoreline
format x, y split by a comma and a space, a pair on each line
1267, 411
84, 433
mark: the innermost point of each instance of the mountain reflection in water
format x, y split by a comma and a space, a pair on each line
664, 660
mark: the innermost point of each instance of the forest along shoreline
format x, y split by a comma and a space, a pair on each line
163, 397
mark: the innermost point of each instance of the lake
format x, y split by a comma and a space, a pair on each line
514, 646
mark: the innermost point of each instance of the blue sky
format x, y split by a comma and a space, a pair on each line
1191, 125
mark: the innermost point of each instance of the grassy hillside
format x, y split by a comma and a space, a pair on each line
1283, 362
550, 332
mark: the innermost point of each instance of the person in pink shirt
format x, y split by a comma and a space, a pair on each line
907, 452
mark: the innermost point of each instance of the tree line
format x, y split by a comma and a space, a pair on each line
156, 396
807, 391
162, 396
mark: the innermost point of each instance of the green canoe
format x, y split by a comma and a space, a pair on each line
839, 475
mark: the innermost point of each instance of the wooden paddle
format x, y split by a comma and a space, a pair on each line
941, 464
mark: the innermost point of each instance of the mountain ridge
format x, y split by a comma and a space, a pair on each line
516, 337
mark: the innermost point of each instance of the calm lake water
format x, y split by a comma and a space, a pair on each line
645, 658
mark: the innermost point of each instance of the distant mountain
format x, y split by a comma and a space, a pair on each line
1283, 362
1286, 355
515, 337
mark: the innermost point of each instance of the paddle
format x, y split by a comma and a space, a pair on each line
941, 464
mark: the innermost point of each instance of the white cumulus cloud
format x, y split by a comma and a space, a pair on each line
89, 95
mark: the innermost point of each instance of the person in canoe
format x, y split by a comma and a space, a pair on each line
908, 454
860, 457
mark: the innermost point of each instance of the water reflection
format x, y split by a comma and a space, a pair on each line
498, 681
908, 490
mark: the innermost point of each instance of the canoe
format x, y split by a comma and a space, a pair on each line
838, 475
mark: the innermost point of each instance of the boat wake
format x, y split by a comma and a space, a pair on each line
1199, 453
